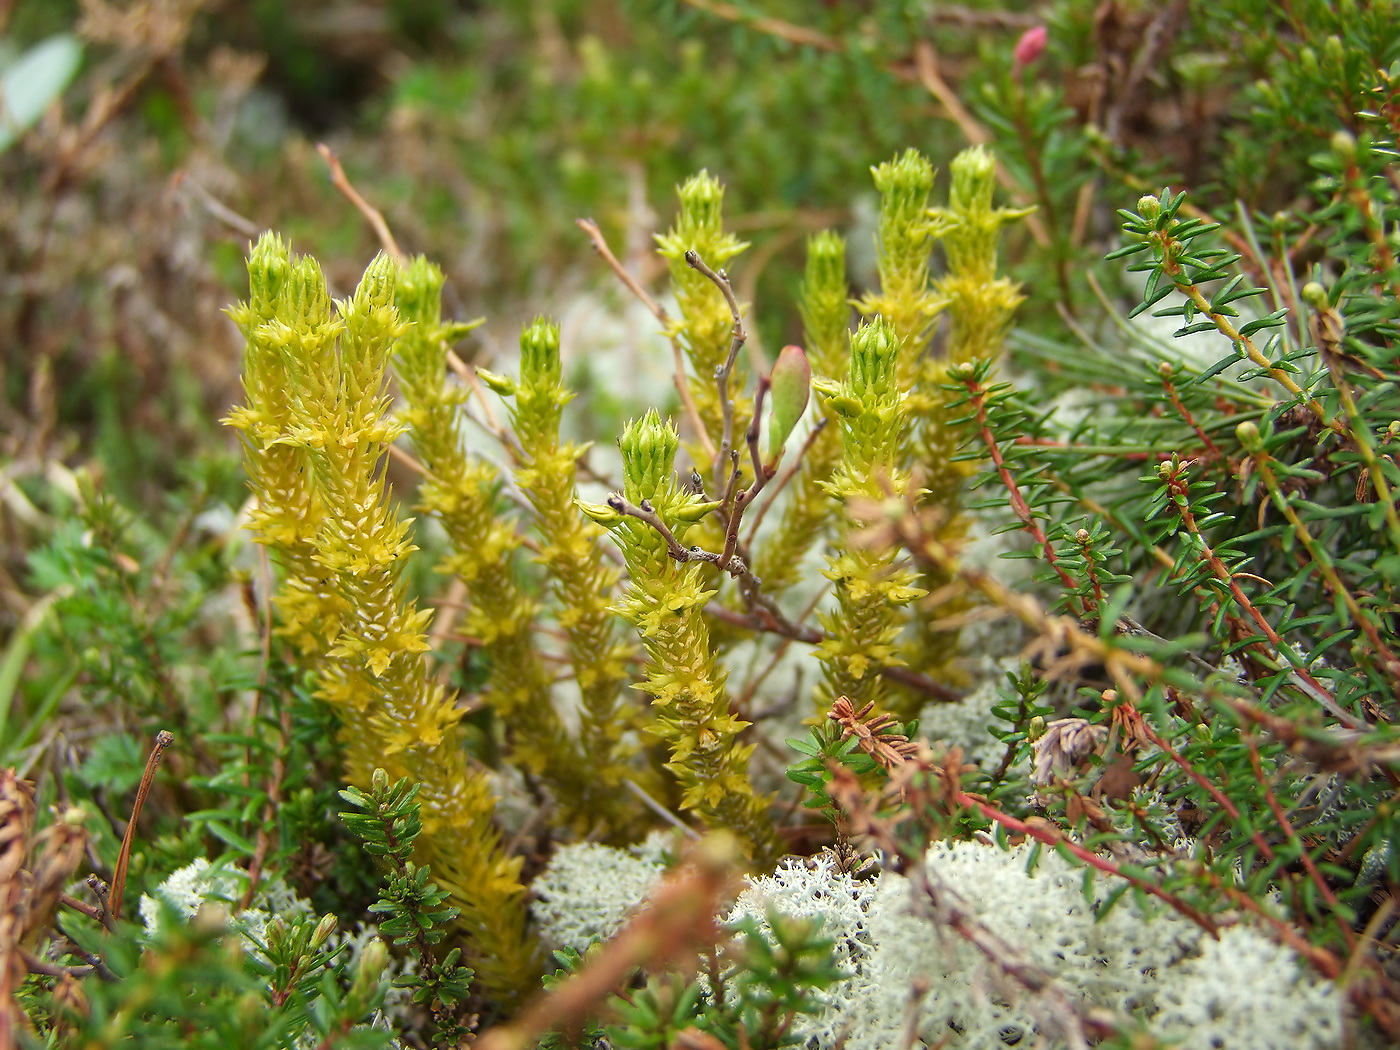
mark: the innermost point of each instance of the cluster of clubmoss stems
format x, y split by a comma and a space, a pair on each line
461, 493
866, 631
872, 591
315, 384
980, 306
908, 230
906, 424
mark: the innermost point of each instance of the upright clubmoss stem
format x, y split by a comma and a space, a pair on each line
980, 306
871, 587
583, 580
907, 234
665, 600
826, 315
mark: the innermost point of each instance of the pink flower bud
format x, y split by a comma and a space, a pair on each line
1029, 47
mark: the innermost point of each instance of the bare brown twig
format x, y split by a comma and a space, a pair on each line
681, 918
163, 740
600, 245
372, 215
736, 343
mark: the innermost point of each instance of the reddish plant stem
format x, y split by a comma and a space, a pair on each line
1086, 548
163, 740
1221, 799
1283, 822
1177, 485
978, 394
1054, 837
1185, 413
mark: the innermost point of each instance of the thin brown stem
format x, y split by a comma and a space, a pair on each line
600, 245
736, 343
163, 740
1165, 372
785, 477
1303, 855
1018, 503
372, 215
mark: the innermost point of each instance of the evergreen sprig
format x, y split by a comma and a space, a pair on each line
413, 906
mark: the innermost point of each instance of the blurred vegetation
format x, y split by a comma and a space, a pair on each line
147, 143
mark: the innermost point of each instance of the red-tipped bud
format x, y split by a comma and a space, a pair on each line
791, 389
1029, 47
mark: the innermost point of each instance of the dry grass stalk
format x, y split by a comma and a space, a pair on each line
680, 919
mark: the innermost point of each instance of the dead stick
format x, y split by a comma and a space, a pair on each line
680, 919
163, 740
372, 215
600, 245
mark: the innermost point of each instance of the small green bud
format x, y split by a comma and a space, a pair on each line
791, 389
419, 294
379, 781
539, 353
648, 455
305, 301
693, 512
275, 932
377, 286
373, 959
1315, 296
1035, 729
323, 930
1344, 146
503, 385
904, 184
1248, 435
600, 513
974, 178
269, 265
1149, 207
874, 357
365, 992
702, 199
